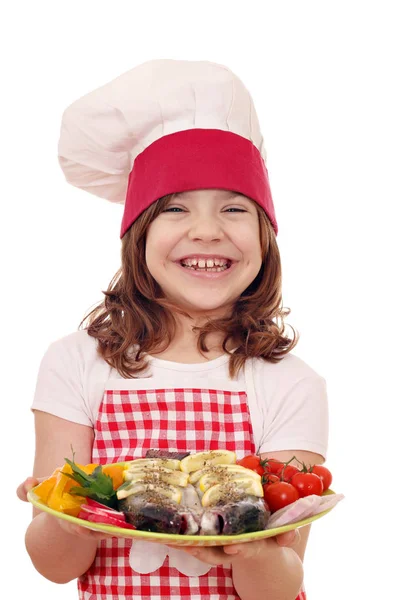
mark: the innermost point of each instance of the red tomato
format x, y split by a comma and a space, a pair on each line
307, 484
273, 466
269, 479
260, 470
277, 467
286, 473
251, 461
324, 474
280, 494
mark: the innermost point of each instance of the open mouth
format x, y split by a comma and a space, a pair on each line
207, 266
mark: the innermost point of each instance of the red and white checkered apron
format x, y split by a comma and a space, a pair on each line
130, 422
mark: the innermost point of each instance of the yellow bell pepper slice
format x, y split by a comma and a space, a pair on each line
44, 488
59, 499
115, 472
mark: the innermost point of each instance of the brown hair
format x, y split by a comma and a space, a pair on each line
136, 313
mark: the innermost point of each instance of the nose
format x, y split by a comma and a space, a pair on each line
206, 229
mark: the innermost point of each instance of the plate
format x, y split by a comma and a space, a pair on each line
177, 540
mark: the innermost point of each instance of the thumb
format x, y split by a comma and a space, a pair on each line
288, 539
23, 488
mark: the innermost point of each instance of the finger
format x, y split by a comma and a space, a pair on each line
211, 556
96, 535
288, 539
183, 547
245, 550
233, 549
82, 532
23, 488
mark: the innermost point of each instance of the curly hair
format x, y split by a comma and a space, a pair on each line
135, 318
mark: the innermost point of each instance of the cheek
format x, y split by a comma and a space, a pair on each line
250, 245
153, 241
254, 257
151, 253
158, 248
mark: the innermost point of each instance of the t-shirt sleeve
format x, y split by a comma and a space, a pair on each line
59, 385
298, 419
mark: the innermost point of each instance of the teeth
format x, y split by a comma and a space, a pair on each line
201, 263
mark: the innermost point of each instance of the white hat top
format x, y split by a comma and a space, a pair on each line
104, 131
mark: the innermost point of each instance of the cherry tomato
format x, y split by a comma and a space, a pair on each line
273, 466
278, 468
251, 461
269, 479
307, 484
324, 474
280, 494
286, 473
260, 470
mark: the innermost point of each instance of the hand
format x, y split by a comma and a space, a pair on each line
72, 528
224, 555
28, 484
82, 532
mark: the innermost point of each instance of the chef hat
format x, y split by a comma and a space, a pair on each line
165, 126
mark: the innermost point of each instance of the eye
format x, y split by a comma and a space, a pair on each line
173, 209
234, 209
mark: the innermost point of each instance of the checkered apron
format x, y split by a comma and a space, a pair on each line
133, 418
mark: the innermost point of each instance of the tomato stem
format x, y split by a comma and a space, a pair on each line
305, 469
284, 467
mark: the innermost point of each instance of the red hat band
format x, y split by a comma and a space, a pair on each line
196, 159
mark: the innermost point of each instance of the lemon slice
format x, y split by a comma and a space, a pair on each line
168, 463
194, 462
226, 476
170, 491
158, 475
140, 467
250, 486
197, 475
227, 492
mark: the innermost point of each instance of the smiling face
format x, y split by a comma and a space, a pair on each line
204, 250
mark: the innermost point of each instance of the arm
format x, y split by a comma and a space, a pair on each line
55, 549
271, 571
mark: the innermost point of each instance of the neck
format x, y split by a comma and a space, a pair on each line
184, 344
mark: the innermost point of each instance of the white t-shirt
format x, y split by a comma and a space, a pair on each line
287, 400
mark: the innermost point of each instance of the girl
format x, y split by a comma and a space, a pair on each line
187, 351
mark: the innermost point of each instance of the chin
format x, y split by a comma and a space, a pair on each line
205, 310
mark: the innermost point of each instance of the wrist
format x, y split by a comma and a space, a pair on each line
273, 571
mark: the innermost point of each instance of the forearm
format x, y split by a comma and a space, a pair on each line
56, 554
276, 575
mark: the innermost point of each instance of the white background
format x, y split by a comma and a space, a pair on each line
324, 78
